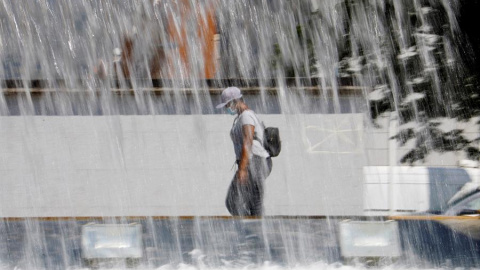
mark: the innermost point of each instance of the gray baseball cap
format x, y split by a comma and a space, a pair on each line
229, 94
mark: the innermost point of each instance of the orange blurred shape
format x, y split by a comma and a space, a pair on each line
205, 37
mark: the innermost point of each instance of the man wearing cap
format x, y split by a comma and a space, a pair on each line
245, 194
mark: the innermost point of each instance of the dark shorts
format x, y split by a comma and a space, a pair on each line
247, 199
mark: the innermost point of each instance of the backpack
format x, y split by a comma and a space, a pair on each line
271, 141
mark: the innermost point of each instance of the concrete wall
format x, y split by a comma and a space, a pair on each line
183, 164
172, 165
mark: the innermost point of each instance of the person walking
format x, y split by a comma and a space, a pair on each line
254, 164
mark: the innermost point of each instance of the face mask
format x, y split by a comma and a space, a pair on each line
230, 111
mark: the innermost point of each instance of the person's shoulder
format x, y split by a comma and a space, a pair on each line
248, 113
247, 116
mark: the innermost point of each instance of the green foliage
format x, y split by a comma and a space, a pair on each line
443, 88
433, 139
468, 104
422, 78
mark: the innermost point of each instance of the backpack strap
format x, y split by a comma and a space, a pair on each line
262, 125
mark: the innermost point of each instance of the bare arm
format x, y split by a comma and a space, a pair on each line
248, 132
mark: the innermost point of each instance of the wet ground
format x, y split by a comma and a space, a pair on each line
219, 242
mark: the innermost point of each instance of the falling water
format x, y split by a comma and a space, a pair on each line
63, 44
111, 74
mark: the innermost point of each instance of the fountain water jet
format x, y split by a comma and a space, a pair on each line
107, 116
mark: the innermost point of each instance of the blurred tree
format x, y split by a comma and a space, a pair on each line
435, 76
421, 58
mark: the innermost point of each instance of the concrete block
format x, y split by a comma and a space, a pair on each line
377, 140
378, 157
